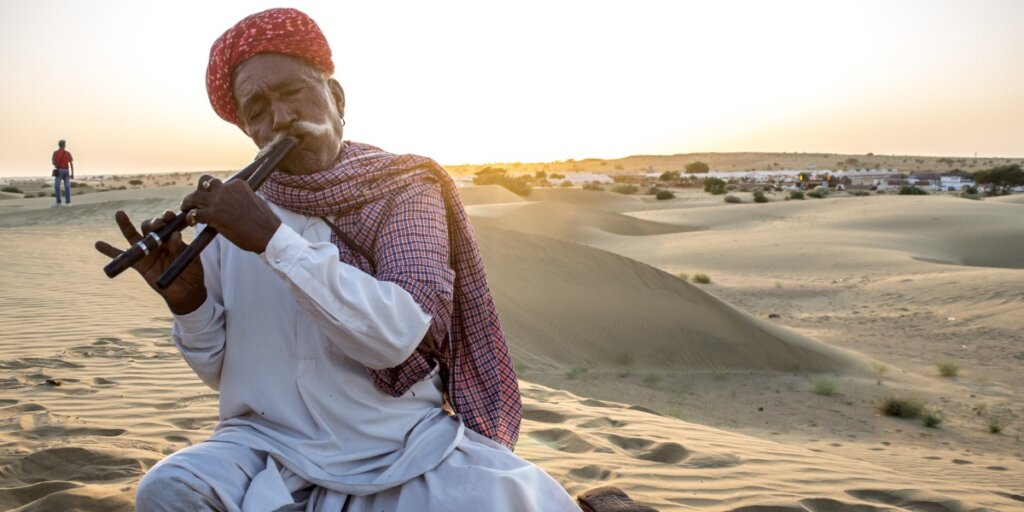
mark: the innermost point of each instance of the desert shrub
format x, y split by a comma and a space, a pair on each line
13, 190
901, 407
683, 275
135, 182
759, 197
701, 279
931, 417
730, 188
732, 199
995, 424
593, 186
566, 184
911, 190
714, 186
817, 194
880, 192
860, 193
652, 379
948, 368
664, 194
826, 387
880, 370
576, 372
625, 189
796, 194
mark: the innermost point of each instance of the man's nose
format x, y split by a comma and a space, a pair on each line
284, 116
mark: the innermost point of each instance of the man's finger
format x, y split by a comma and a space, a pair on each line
108, 250
127, 229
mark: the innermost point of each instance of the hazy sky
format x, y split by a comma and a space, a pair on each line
476, 82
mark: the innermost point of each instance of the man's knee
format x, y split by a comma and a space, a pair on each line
168, 487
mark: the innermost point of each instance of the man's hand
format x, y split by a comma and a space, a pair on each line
234, 211
186, 293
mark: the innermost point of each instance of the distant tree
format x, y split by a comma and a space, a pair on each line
1001, 179
697, 167
498, 176
540, 175
669, 176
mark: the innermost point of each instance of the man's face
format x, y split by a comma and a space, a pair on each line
277, 93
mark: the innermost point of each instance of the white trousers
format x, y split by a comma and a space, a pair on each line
477, 475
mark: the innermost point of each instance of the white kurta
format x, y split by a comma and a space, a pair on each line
287, 336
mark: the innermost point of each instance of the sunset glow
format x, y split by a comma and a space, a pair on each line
468, 82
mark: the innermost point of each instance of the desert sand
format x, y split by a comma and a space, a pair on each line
688, 396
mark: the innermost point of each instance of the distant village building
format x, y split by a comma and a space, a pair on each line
868, 178
957, 183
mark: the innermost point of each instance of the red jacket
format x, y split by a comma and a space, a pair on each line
62, 159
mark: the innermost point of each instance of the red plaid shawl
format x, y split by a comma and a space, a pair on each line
391, 206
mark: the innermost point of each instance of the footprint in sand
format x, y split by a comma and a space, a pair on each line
18, 408
103, 383
604, 423
645, 449
831, 505
562, 440
592, 472
910, 499
37, 362
534, 413
62, 432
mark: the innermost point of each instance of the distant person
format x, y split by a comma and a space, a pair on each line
63, 172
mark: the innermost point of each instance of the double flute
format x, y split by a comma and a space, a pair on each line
254, 174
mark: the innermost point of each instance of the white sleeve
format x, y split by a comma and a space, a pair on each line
377, 323
200, 335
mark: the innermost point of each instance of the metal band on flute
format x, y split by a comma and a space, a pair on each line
266, 161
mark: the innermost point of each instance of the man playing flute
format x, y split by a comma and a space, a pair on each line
337, 312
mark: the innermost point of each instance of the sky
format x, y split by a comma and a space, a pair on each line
476, 82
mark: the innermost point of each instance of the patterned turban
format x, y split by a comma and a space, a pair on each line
287, 31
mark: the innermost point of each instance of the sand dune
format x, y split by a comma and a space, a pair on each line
488, 194
572, 222
92, 391
623, 310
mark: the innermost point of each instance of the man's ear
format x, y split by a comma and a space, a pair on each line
338, 94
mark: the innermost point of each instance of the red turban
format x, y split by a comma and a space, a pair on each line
287, 31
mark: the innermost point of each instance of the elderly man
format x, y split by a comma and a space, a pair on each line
337, 315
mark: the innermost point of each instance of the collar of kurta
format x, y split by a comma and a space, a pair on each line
473, 356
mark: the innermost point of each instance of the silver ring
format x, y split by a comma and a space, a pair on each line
191, 217
205, 185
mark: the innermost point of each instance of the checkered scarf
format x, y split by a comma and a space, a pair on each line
358, 195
